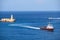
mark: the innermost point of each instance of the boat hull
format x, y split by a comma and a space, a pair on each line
44, 28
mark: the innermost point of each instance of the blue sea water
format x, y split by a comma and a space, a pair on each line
33, 19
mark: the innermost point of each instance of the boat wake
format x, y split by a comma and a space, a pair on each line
21, 25
53, 18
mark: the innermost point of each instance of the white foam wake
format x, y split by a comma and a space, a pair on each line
31, 27
20, 25
53, 18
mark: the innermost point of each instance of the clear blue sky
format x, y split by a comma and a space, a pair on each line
29, 5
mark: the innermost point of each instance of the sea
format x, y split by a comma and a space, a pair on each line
27, 25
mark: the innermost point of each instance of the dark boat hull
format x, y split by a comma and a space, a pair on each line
44, 28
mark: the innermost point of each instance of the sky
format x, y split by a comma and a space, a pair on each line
29, 5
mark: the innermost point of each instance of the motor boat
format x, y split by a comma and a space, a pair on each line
11, 19
49, 27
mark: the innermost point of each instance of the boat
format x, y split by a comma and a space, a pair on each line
11, 19
49, 27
